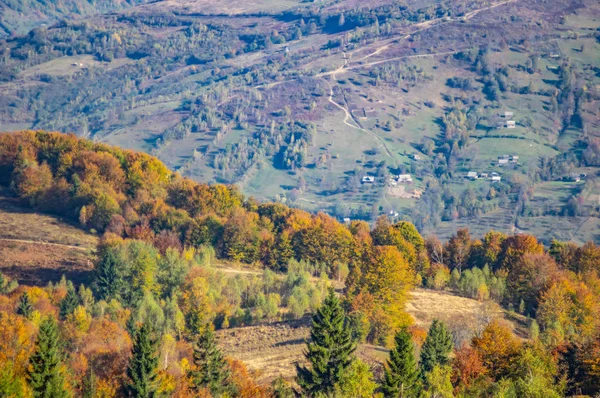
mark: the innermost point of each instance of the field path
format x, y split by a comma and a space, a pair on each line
357, 126
39, 242
237, 271
423, 26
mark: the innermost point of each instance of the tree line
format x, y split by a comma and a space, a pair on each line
155, 299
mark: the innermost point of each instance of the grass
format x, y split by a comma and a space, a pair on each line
64, 66
37, 248
457, 312
575, 229
272, 350
491, 148
555, 190
17, 222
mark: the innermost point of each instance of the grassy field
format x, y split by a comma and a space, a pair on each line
36, 248
273, 350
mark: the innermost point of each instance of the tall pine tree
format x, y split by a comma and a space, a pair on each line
401, 379
44, 374
69, 303
108, 279
211, 370
142, 369
436, 348
25, 307
89, 386
329, 352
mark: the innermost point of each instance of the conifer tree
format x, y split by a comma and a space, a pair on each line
142, 369
436, 348
69, 303
330, 350
25, 307
108, 278
89, 384
401, 378
44, 374
211, 370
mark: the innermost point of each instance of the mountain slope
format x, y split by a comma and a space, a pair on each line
19, 17
297, 102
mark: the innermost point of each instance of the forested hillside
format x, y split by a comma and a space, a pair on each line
144, 323
18, 17
489, 110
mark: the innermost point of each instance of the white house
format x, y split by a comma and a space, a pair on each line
368, 180
502, 161
496, 179
472, 175
404, 178
510, 124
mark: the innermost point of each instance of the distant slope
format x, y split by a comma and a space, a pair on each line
18, 17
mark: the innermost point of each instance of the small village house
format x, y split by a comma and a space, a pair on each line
368, 180
404, 179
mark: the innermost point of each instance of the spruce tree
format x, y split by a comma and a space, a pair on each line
436, 348
89, 384
69, 303
401, 378
25, 307
211, 370
330, 350
142, 369
108, 278
44, 375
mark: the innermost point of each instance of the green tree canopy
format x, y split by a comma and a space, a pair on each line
211, 370
401, 378
330, 352
44, 375
25, 307
142, 369
436, 348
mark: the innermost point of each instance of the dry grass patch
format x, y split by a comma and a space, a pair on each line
17, 222
464, 316
36, 248
37, 264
